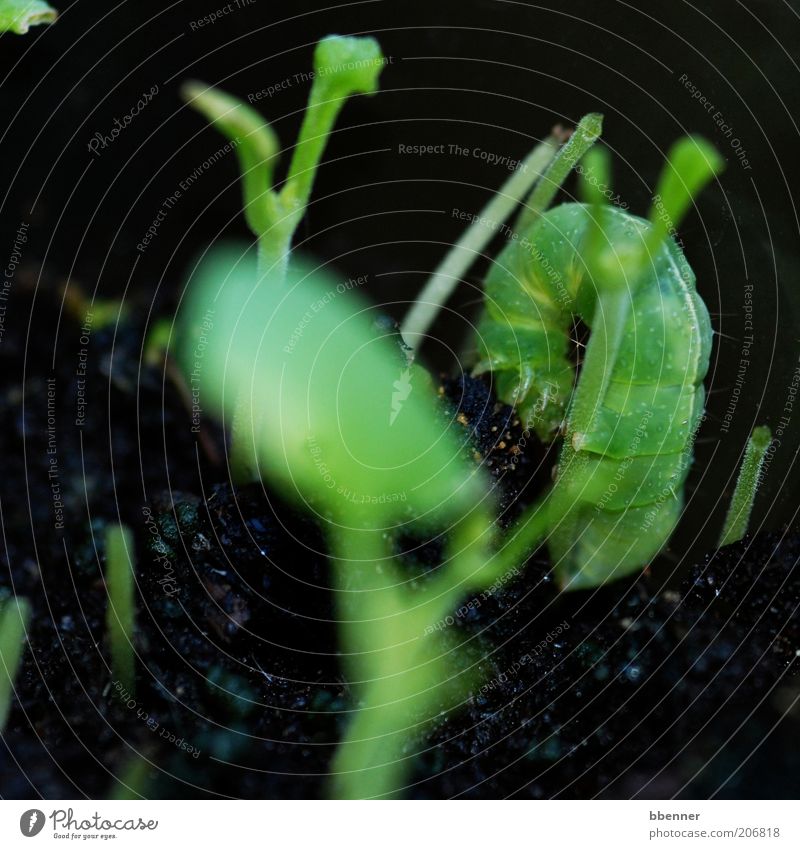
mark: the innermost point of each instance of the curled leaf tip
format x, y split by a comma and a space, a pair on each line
19, 15
355, 63
257, 145
591, 125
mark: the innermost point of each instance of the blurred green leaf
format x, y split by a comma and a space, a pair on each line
335, 418
19, 15
333, 413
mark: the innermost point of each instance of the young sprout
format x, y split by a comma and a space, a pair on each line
18, 15
342, 67
738, 517
319, 381
15, 616
407, 670
121, 610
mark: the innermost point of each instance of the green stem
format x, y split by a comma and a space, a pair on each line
399, 664
274, 248
524, 537
401, 669
320, 117
474, 567
120, 613
367, 761
585, 135
473, 242
342, 67
607, 328
741, 506
15, 617
468, 558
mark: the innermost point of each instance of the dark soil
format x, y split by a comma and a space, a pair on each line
642, 695
633, 690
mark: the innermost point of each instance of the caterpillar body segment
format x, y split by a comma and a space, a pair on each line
627, 451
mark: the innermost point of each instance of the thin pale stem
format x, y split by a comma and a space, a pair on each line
473, 243
585, 135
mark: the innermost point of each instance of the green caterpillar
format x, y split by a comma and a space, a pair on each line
630, 422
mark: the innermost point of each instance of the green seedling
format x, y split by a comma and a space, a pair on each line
15, 617
121, 610
342, 67
323, 432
